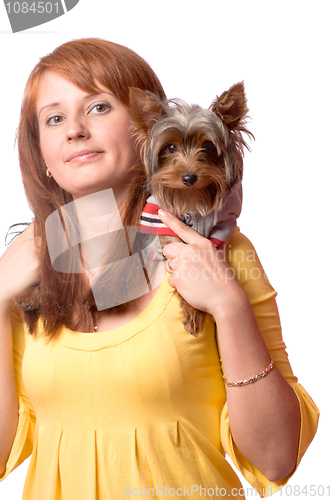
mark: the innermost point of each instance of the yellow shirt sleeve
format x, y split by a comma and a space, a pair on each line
22, 446
248, 270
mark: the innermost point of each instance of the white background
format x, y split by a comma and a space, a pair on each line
283, 52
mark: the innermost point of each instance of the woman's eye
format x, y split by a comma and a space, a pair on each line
99, 109
208, 147
54, 120
171, 148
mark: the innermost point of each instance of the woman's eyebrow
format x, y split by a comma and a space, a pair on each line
88, 96
53, 104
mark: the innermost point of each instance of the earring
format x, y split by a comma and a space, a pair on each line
48, 173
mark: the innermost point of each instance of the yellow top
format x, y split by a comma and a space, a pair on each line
140, 410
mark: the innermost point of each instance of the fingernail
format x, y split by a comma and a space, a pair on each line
162, 212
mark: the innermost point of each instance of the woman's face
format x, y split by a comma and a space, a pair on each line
84, 138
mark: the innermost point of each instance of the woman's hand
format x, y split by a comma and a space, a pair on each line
199, 271
19, 267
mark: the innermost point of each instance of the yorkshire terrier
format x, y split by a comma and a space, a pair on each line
194, 165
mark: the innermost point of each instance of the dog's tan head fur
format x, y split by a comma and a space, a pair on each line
193, 156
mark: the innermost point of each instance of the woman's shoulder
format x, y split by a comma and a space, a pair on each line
240, 250
247, 268
240, 241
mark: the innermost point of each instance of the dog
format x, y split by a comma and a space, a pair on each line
193, 159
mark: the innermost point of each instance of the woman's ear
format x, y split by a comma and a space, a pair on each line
47, 171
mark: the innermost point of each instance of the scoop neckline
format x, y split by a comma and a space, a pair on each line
99, 340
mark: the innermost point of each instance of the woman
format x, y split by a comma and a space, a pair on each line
140, 407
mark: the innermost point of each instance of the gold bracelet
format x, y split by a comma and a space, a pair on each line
251, 380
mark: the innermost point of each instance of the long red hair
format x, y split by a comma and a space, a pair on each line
63, 299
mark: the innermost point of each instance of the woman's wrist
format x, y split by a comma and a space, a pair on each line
243, 350
225, 307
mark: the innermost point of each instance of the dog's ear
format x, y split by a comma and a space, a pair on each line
231, 106
145, 109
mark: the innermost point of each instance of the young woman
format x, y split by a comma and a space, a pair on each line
123, 401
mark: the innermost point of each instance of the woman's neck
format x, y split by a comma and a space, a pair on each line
98, 214
99, 221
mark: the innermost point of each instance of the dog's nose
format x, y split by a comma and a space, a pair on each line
189, 179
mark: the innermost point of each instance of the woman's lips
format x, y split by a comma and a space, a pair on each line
81, 156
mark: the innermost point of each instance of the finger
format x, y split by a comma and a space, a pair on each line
185, 233
171, 282
169, 266
221, 250
173, 250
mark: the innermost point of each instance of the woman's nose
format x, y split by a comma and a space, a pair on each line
76, 128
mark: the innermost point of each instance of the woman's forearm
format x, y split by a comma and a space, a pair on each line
19, 270
8, 394
264, 416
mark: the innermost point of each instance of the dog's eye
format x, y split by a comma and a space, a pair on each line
208, 147
171, 148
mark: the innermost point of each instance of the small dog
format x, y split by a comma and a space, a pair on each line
194, 162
